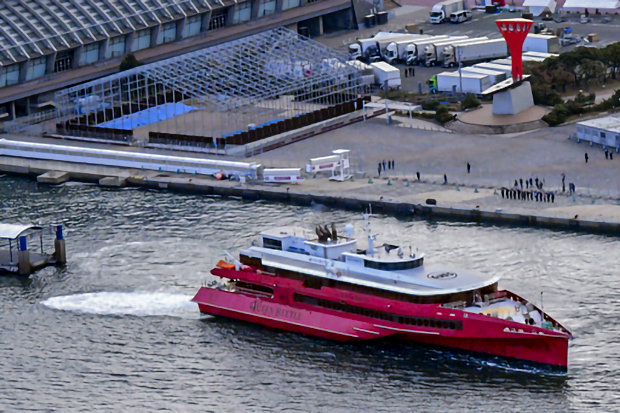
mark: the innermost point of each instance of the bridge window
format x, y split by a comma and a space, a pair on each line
393, 266
218, 19
274, 244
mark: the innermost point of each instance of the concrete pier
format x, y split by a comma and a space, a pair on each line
53, 178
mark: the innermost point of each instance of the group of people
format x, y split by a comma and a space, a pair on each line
528, 195
409, 71
529, 183
390, 165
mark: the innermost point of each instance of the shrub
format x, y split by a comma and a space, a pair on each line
443, 116
430, 105
546, 97
557, 116
582, 98
469, 101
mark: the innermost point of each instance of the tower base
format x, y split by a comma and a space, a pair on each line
513, 101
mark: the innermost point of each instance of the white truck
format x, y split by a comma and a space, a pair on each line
477, 51
541, 43
385, 73
433, 52
495, 76
360, 50
472, 83
368, 73
496, 68
397, 51
414, 49
386, 42
441, 11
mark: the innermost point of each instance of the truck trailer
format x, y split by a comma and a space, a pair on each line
397, 51
541, 43
495, 76
366, 49
386, 74
433, 52
440, 12
496, 68
412, 50
451, 82
472, 52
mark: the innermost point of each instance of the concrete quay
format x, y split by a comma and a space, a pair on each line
402, 197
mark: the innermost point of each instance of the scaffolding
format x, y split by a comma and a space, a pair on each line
217, 92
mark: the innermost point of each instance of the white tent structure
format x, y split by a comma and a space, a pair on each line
538, 7
591, 4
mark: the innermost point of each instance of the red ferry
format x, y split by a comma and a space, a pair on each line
325, 286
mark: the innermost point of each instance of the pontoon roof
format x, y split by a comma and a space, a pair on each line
12, 231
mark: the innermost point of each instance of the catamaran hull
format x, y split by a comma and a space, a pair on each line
476, 336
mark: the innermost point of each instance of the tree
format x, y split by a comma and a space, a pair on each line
129, 62
561, 77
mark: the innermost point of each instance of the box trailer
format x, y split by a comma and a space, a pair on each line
411, 50
433, 52
368, 74
477, 51
495, 76
441, 11
470, 82
541, 43
397, 51
497, 68
383, 43
385, 73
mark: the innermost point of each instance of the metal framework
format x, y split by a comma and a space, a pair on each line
217, 91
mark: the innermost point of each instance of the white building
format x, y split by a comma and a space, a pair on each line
604, 131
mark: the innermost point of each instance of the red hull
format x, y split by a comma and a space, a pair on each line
476, 333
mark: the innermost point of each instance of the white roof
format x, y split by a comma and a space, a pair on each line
12, 231
608, 123
464, 75
591, 4
536, 7
483, 71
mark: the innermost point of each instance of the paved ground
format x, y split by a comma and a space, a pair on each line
496, 160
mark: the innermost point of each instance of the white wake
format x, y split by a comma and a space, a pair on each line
130, 303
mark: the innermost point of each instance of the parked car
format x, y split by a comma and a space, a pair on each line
460, 16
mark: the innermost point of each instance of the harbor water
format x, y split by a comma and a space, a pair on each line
114, 330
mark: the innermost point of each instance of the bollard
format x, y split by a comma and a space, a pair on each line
60, 253
476, 191
574, 200
457, 188
495, 192
407, 184
23, 257
178, 171
160, 169
370, 181
389, 182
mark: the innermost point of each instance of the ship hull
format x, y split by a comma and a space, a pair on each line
477, 335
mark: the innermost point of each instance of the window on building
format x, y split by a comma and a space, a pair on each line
218, 19
192, 26
289, 4
90, 54
167, 33
116, 47
64, 61
243, 12
266, 7
9, 75
142, 40
603, 135
36, 68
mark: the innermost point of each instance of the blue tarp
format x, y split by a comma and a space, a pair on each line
256, 127
148, 116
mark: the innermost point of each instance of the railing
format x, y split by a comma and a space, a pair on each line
19, 124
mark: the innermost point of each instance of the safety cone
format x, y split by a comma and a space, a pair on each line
160, 169
458, 188
407, 184
495, 192
389, 182
178, 171
476, 191
370, 181
574, 200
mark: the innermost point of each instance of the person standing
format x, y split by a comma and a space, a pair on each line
521, 182
384, 165
393, 164
586, 156
611, 155
502, 192
606, 154
418, 175
563, 182
379, 169
531, 183
468, 167
445, 179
